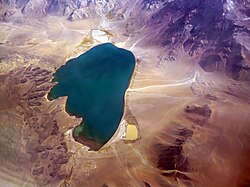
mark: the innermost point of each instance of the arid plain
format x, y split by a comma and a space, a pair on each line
193, 125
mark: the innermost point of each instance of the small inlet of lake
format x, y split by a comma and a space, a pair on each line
95, 83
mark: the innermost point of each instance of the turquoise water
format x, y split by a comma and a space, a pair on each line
95, 83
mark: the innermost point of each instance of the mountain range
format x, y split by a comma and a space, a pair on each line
218, 30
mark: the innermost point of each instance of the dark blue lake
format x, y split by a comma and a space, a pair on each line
95, 83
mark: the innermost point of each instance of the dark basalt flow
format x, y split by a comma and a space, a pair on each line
198, 114
204, 111
146, 184
95, 83
172, 158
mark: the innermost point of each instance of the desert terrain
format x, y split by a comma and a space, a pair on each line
193, 126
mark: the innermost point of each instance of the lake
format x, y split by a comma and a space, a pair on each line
95, 83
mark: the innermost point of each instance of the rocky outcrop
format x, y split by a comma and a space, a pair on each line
74, 10
198, 114
78, 15
202, 111
34, 7
41, 135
